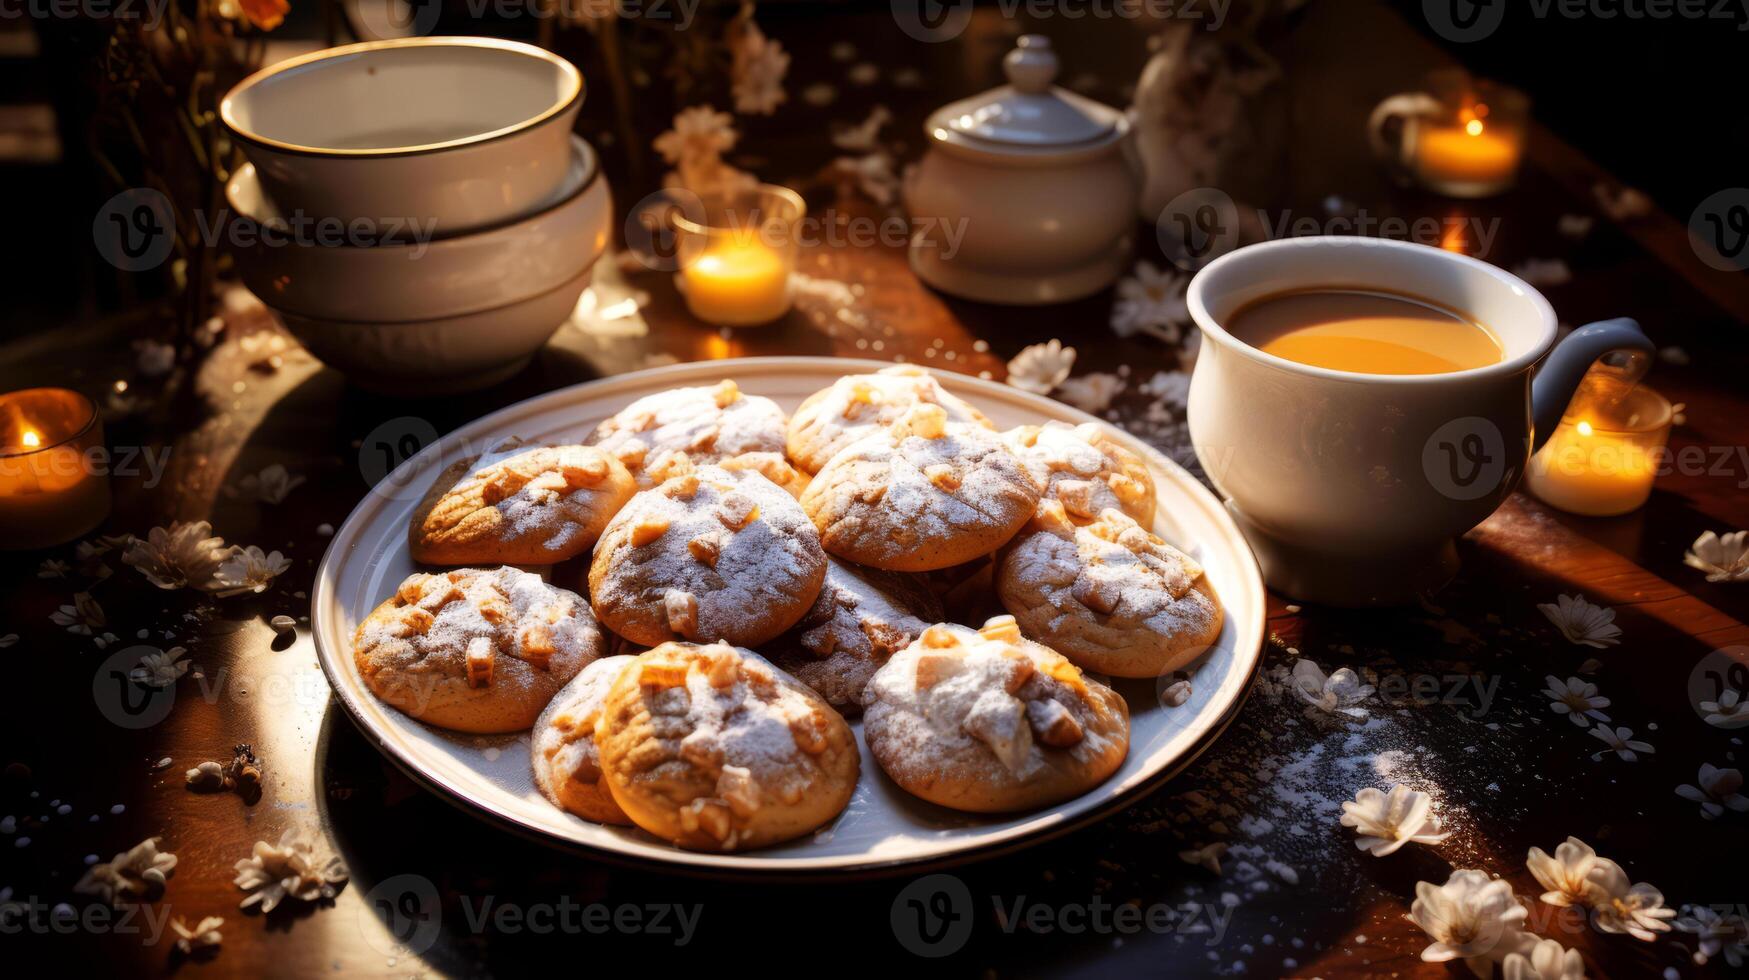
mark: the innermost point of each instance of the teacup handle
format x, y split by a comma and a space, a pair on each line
1566, 366
1386, 147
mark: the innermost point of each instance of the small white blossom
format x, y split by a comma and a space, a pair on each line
133, 874
1171, 387
757, 68
1582, 622
1620, 907
1387, 821
699, 132
1151, 301
1041, 367
863, 137
204, 935
249, 570
271, 485
1729, 711
80, 616
1716, 790
1546, 960
1621, 203
1620, 741
1091, 392
1576, 699
183, 555
1724, 558
872, 174
289, 869
1566, 875
1716, 933
1340, 693
1471, 917
160, 669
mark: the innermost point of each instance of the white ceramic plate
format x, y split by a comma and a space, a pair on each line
883, 828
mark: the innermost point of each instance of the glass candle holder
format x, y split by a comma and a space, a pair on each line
738, 255
1602, 458
1460, 137
53, 484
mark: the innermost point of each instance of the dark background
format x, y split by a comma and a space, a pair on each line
1656, 102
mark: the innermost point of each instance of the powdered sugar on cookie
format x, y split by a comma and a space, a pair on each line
1082, 467
707, 423
859, 405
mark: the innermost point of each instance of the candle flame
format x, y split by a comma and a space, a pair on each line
32, 439
1584, 428
1473, 127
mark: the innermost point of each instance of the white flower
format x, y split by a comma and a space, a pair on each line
1581, 622
81, 616
1091, 392
1716, 932
1723, 558
1621, 741
1544, 272
1567, 875
1576, 699
1339, 694
873, 175
1171, 387
1619, 907
1729, 711
181, 555
160, 669
699, 133
248, 570
271, 485
1151, 301
1716, 790
1385, 822
133, 874
1621, 204
864, 137
53, 568
757, 67
204, 935
289, 869
1207, 856
1471, 917
1041, 367
1547, 960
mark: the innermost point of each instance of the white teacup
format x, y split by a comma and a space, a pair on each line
1353, 487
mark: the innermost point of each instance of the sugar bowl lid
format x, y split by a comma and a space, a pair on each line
1029, 113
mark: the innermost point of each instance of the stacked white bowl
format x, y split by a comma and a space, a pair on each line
417, 211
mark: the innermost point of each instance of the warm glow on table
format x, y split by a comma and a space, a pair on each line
51, 489
1586, 468
1472, 154
738, 284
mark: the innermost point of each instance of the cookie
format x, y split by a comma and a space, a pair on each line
774, 467
707, 423
714, 749
862, 617
711, 554
1108, 595
1085, 468
924, 493
987, 721
859, 405
567, 766
519, 506
475, 650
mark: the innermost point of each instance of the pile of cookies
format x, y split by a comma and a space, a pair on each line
702, 525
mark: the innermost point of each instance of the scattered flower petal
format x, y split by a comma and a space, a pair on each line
1387, 821
1041, 367
1576, 699
1716, 790
1621, 741
204, 935
1729, 711
248, 570
1723, 558
1582, 622
132, 875
290, 869
81, 616
160, 669
1091, 393
1471, 917
1340, 693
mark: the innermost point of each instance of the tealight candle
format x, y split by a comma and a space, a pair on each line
1602, 458
51, 490
1460, 136
738, 260
1466, 159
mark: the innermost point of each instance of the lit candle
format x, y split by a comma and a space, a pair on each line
1468, 158
1602, 458
52, 488
736, 284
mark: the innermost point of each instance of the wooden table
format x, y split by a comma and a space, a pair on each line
1459, 709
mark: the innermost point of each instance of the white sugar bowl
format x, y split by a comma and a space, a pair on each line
1027, 194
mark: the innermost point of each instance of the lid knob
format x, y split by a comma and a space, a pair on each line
1032, 66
